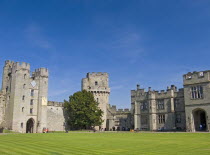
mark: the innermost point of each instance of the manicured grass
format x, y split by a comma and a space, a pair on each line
8, 131
105, 143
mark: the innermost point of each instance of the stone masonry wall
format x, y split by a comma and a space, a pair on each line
55, 116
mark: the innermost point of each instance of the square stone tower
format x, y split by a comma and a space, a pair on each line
98, 84
25, 105
196, 96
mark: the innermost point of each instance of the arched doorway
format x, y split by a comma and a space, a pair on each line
30, 125
199, 120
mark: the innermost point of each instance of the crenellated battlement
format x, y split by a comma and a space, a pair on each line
96, 82
114, 109
21, 65
126, 110
56, 104
92, 74
41, 72
17, 65
141, 94
9, 63
196, 77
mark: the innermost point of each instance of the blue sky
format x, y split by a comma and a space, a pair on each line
149, 42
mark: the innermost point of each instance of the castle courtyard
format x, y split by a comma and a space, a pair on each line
105, 143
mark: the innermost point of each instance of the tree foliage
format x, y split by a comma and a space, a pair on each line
82, 111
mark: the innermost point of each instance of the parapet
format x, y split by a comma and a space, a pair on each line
9, 63
180, 93
17, 65
167, 91
196, 77
56, 104
126, 110
113, 107
41, 72
92, 74
141, 94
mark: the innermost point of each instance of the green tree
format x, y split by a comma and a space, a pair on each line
82, 111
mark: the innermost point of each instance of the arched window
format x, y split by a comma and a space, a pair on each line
96, 83
21, 125
22, 109
24, 76
23, 97
24, 86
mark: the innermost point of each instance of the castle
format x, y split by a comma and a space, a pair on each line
186, 109
24, 105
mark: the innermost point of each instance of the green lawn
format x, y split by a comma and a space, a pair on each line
105, 143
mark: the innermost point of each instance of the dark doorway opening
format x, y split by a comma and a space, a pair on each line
200, 120
30, 126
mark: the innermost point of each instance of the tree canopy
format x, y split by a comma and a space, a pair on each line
82, 111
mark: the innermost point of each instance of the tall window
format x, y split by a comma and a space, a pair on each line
31, 110
21, 125
22, 109
144, 119
160, 104
24, 76
31, 102
178, 118
176, 103
144, 106
196, 92
96, 83
24, 86
23, 97
32, 92
161, 119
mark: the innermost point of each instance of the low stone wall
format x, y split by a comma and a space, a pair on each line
55, 118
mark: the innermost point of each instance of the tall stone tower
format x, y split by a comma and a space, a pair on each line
196, 97
98, 84
26, 97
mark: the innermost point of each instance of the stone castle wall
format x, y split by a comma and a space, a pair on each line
118, 119
55, 116
2, 108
